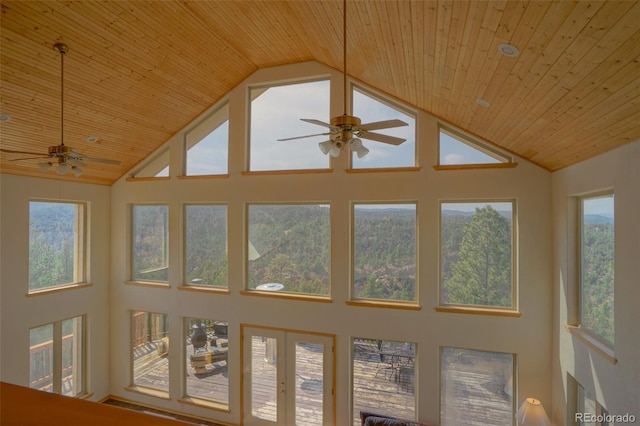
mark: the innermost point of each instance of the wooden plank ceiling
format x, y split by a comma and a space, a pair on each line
139, 71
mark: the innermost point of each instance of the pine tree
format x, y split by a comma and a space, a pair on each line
481, 274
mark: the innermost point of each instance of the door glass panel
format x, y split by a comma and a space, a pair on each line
309, 383
264, 378
72, 356
41, 357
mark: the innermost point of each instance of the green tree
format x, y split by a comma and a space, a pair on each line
481, 275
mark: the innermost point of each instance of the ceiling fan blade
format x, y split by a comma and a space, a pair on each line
391, 140
101, 160
386, 124
11, 151
320, 123
302, 137
75, 162
41, 157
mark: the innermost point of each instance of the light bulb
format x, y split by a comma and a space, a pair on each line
77, 171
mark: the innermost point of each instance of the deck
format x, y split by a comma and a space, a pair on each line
475, 392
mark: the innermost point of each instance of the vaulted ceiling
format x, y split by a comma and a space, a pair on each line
139, 71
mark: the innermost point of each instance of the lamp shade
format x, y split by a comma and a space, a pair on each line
62, 168
531, 413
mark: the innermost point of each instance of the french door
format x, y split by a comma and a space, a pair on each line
287, 377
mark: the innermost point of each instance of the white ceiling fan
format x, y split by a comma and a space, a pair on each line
346, 130
64, 157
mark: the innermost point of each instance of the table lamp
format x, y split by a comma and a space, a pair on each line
531, 413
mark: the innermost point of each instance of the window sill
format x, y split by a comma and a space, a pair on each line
197, 402
57, 289
147, 179
475, 166
284, 172
205, 289
85, 396
385, 169
386, 304
190, 177
292, 296
478, 311
156, 284
148, 391
592, 342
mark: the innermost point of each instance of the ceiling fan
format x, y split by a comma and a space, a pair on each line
346, 130
64, 157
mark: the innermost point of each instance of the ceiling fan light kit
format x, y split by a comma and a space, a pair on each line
62, 156
346, 130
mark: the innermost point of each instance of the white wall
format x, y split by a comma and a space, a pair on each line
529, 336
615, 386
20, 313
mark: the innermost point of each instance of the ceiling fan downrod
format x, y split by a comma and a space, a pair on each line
62, 49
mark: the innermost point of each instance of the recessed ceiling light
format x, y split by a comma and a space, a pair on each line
4, 117
92, 139
483, 103
508, 50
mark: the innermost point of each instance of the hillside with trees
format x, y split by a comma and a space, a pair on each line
290, 244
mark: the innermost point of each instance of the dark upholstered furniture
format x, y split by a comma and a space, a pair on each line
373, 419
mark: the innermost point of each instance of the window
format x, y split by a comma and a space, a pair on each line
384, 252
149, 350
157, 167
588, 411
206, 371
208, 145
597, 266
476, 254
206, 245
56, 355
56, 244
370, 108
288, 248
275, 114
384, 370
150, 243
456, 149
470, 379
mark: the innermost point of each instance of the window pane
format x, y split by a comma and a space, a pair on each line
456, 149
288, 248
598, 259
41, 358
72, 357
384, 251
264, 378
157, 167
476, 254
208, 145
150, 243
384, 378
476, 388
276, 113
370, 109
309, 398
206, 245
150, 348
206, 349
55, 244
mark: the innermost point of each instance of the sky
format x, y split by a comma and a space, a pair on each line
277, 114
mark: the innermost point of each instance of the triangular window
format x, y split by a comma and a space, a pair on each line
156, 168
208, 145
456, 149
370, 108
